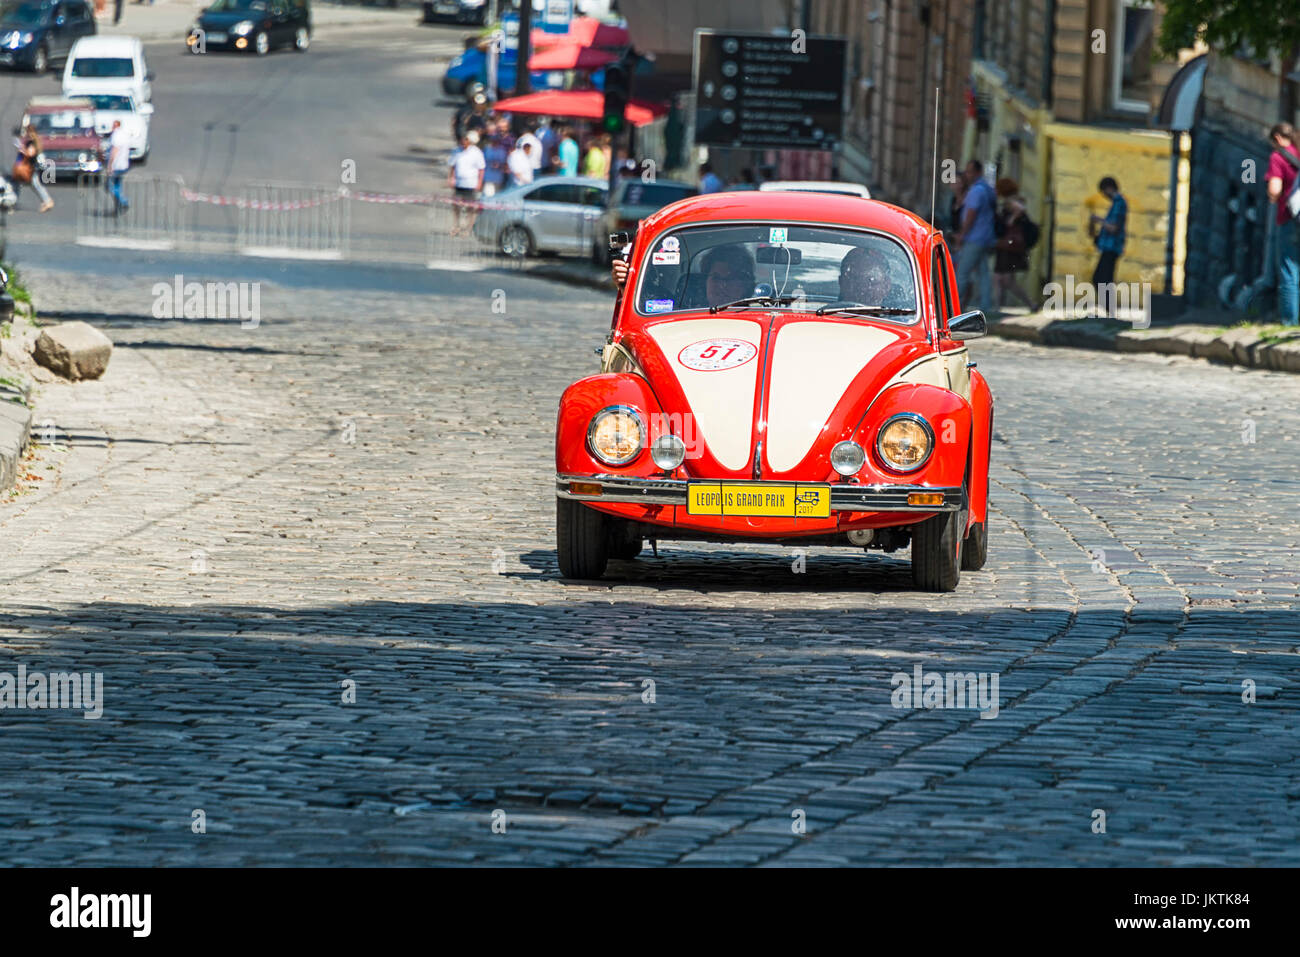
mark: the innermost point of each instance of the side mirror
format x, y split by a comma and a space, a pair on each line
149, 76
969, 325
60, 20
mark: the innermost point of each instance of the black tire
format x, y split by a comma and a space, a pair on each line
976, 550
624, 542
262, 43
301, 40
40, 60
936, 552
515, 241
581, 539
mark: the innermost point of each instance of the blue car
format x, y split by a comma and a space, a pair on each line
471, 67
37, 33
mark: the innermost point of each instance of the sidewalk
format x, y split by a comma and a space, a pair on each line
170, 19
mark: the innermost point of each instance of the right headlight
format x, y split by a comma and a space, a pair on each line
242, 27
616, 435
905, 442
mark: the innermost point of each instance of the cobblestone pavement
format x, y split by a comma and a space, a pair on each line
360, 488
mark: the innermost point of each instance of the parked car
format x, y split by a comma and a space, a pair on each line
633, 200
552, 214
70, 142
792, 369
108, 64
467, 73
259, 26
815, 186
456, 11
110, 107
37, 33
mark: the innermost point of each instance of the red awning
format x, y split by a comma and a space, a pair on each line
584, 31
576, 104
570, 56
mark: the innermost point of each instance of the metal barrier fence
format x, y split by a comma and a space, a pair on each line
154, 216
301, 222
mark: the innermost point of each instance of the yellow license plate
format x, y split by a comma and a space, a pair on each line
728, 498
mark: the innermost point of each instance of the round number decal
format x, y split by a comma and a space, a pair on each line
711, 355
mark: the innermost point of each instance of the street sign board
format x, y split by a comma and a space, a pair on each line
556, 16
764, 91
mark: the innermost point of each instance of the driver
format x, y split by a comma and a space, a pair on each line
864, 277
728, 274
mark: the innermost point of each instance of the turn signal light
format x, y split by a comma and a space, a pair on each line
591, 488
241, 43
925, 498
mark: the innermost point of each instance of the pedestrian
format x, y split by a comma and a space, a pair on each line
494, 174
465, 177
117, 12
1283, 165
529, 137
567, 153
710, 182
977, 238
747, 180
1012, 254
549, 139
28, 165
596, 163
1110, 234
520, 162
119, 161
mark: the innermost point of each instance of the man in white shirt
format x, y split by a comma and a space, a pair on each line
465, 177
520, 163
530, 136
119, 161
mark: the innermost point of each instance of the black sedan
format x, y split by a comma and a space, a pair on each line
256, 25
456, 11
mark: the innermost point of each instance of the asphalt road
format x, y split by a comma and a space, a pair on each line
362, 100
236, 523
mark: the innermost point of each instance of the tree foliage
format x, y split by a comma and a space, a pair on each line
1253, 27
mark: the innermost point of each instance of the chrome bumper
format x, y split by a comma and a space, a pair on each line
844, 497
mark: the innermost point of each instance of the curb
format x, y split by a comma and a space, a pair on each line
1253, 348
15, 430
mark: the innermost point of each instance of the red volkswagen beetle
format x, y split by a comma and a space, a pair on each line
782, 368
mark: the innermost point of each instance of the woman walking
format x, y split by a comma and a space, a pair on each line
1012, 250
27, 166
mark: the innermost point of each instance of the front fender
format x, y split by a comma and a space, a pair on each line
584, 399
949, 417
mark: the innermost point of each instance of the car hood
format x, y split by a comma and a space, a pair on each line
54, 142
788, 381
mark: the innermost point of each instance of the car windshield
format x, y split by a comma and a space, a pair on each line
654, 194
99, 67
236, 6
832, 269
65, 123
26, 14
108, 101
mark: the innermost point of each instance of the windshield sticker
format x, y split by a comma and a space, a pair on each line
714, 355
670, 245
659, 305
665, 258
776, 235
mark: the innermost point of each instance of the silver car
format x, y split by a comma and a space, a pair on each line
552, 214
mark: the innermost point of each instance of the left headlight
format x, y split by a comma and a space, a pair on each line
905, 442
242, 27
616, 435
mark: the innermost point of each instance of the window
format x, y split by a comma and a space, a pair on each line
592, 196
1133, 47
101, 67
555, 193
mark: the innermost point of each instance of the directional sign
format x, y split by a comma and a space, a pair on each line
762, 91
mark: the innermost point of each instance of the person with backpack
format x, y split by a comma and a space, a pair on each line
1017, 234
1283, 184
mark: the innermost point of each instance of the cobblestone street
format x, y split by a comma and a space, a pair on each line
238, 521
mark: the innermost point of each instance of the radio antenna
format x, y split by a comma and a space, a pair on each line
934, 171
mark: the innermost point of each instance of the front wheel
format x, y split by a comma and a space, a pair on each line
262, 44
976, 550
581, 539
40, 60
936, 552
515, 242
301, 39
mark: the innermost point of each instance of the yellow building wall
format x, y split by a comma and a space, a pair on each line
1139, 162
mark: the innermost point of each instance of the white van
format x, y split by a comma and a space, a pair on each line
108, 64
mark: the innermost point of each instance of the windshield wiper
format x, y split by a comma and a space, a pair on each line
866, 310
753, 300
